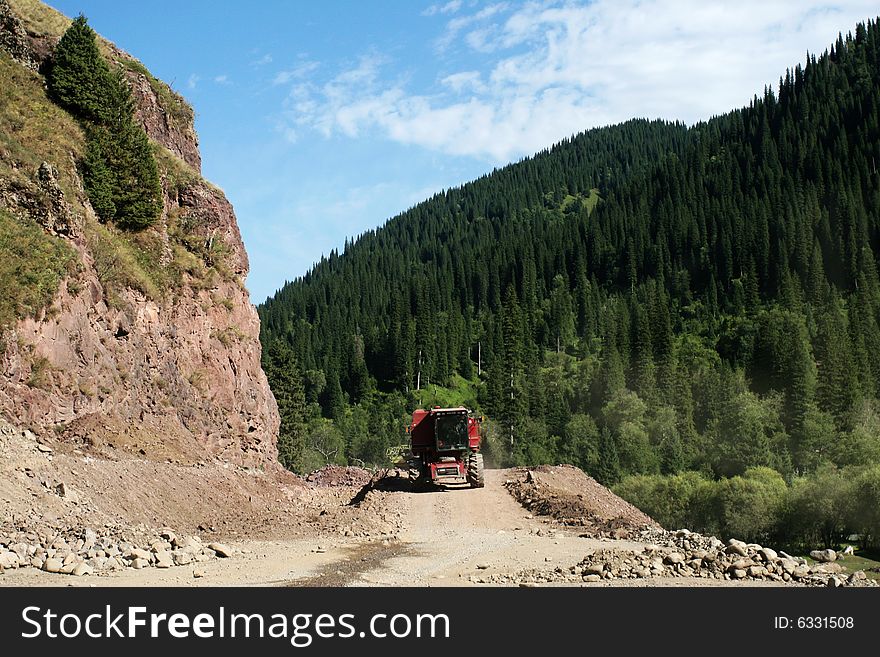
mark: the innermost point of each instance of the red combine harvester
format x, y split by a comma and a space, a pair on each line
445, 447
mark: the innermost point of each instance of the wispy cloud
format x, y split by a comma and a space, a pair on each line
448, 8
455, 26
222, 79
193, 81
297, 72
263, 61
556, 68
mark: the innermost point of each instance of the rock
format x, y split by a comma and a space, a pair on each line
191, 545
768, 554
223, 551
482, 566
182, 558
800, 571
674, 558
138, 563
827, 568
757, 571
593, 569
739, 573
53, 565
164, 559
737, 549
81, 569
788, 565
197, 574
824, 555
8, 560
45, 449
833, 582
68, 568
741, 564
137, 553
65, 491
592, 578
859, 575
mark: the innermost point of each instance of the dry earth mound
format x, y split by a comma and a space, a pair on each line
572, 497
340, 475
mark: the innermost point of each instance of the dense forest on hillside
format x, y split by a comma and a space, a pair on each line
686, 312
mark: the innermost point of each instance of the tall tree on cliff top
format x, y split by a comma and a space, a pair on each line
119, 169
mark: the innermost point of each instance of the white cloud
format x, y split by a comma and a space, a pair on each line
263, 61
558, 68
464, 81
222, 79
449, 8
193, 81
300, 70
455, 26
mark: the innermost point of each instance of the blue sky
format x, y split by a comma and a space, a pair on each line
321, 120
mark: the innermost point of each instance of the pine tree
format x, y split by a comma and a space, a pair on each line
608, 466
285, 379
79, 77
119, 169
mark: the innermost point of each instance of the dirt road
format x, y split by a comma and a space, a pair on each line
441, 537
451, 535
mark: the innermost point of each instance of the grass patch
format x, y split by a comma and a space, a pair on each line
177, 173
571, 203
861, 560
148, 261
32, 265
40, 370
460, 392
229, 336
38, 18
33, 129
125, 259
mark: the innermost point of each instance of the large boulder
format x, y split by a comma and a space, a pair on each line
824, 556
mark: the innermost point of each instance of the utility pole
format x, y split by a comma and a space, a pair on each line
479, 357
419, 372
511, 407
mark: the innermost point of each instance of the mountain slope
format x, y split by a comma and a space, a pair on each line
138, 343
645, 297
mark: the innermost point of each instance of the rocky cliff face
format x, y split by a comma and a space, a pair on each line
173, 375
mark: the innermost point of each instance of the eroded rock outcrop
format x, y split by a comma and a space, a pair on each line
174, 375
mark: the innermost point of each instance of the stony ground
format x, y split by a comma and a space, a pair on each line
73, 518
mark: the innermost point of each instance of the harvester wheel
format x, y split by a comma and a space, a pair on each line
475, 470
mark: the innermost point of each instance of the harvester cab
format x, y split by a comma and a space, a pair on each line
445, 447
